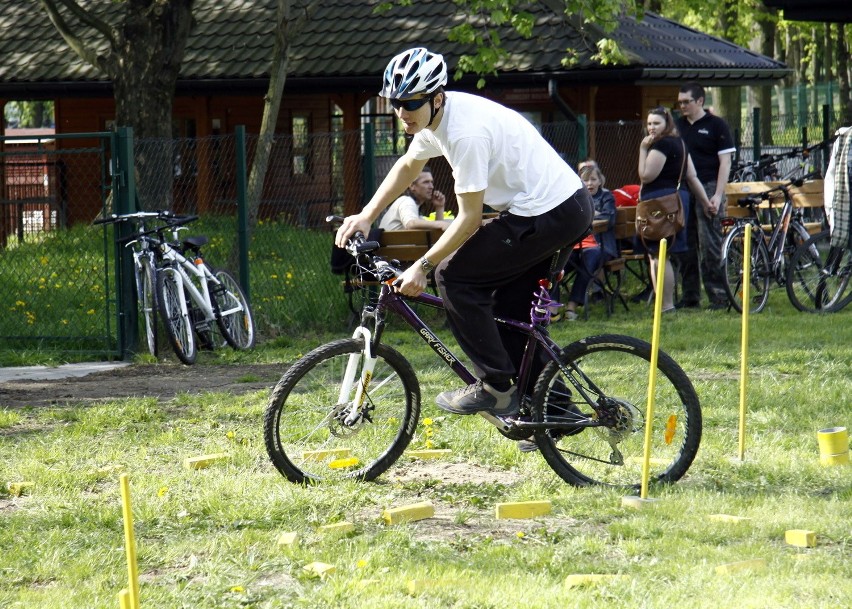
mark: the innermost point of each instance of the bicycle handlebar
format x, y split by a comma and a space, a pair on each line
770, 159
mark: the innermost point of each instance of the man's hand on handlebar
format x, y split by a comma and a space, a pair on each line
412, 282
350, 226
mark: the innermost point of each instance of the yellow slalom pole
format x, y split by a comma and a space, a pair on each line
652, 375
744, 348
129, 543
124, 599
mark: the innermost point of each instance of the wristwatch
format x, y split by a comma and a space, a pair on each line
426, 265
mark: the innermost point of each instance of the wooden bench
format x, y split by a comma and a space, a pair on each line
635, 262
809, 195
407, 246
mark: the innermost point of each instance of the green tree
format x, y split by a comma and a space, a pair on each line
38, 113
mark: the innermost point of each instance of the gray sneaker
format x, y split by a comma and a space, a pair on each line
479, 397
528, 446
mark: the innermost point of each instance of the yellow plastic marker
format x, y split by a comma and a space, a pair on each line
203, 461
522, 509
320, 569
420, 585
652, 376
409, 513
322, 455
591, 579
337, 527
728, 518
757, 564
16, 489
343, 463
435, 453
129, 542
289, 539
744, 348
800, 538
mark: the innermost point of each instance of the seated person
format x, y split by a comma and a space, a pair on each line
589, 255
407, 212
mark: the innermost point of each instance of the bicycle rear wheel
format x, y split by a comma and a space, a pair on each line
312, 430
732, 266
804, 271
612, 371
175, 314
233, 314
146, 293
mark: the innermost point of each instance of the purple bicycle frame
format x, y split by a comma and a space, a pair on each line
393, 301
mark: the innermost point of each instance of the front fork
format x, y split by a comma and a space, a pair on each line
353, 412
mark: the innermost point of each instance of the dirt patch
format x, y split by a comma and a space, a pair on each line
162, 381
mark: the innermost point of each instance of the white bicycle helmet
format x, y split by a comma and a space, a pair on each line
413, 71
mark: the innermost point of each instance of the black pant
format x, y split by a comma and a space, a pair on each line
496, 272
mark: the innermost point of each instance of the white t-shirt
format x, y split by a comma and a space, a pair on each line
401, 211
493, 148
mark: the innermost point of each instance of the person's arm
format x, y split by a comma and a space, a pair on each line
651, 162
439, 202
469, 219
722, 178
403, 173
425, 224
709, 207
607, 209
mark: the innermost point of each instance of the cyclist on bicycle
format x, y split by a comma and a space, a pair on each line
482, 269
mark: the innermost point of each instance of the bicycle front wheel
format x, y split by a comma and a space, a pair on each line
146, 288
804, 272
607, 447
175, 314
733, 255
833, 292
315, 431
233, 314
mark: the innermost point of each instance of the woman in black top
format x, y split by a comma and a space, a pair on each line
660, 164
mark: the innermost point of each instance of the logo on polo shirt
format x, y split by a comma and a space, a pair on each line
703, 132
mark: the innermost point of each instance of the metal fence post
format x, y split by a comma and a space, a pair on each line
369, 161
755, 132
582, 138
242, 208
124, 202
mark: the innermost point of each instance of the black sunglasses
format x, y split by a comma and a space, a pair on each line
410, 105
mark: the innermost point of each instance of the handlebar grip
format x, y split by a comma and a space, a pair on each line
747, 201
109, 220
367, 246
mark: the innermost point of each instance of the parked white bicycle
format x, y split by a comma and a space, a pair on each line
191, 296
173, 278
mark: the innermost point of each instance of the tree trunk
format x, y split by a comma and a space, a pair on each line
764, 93
153, 34
143, 61
271, 105
842, 54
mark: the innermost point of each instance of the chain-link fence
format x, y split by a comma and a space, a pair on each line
56, 270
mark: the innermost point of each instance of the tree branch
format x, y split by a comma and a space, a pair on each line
76, 43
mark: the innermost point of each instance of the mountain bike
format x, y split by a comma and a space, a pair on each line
191, 297
349, 408
146, 259
770, 251
820, 274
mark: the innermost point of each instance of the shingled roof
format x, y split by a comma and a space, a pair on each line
346, 43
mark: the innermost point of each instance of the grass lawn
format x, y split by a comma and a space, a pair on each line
209, 538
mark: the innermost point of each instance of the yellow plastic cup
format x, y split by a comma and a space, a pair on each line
833, 446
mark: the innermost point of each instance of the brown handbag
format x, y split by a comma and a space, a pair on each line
661, 217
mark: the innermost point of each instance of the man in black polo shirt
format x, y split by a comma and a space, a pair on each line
711, 146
